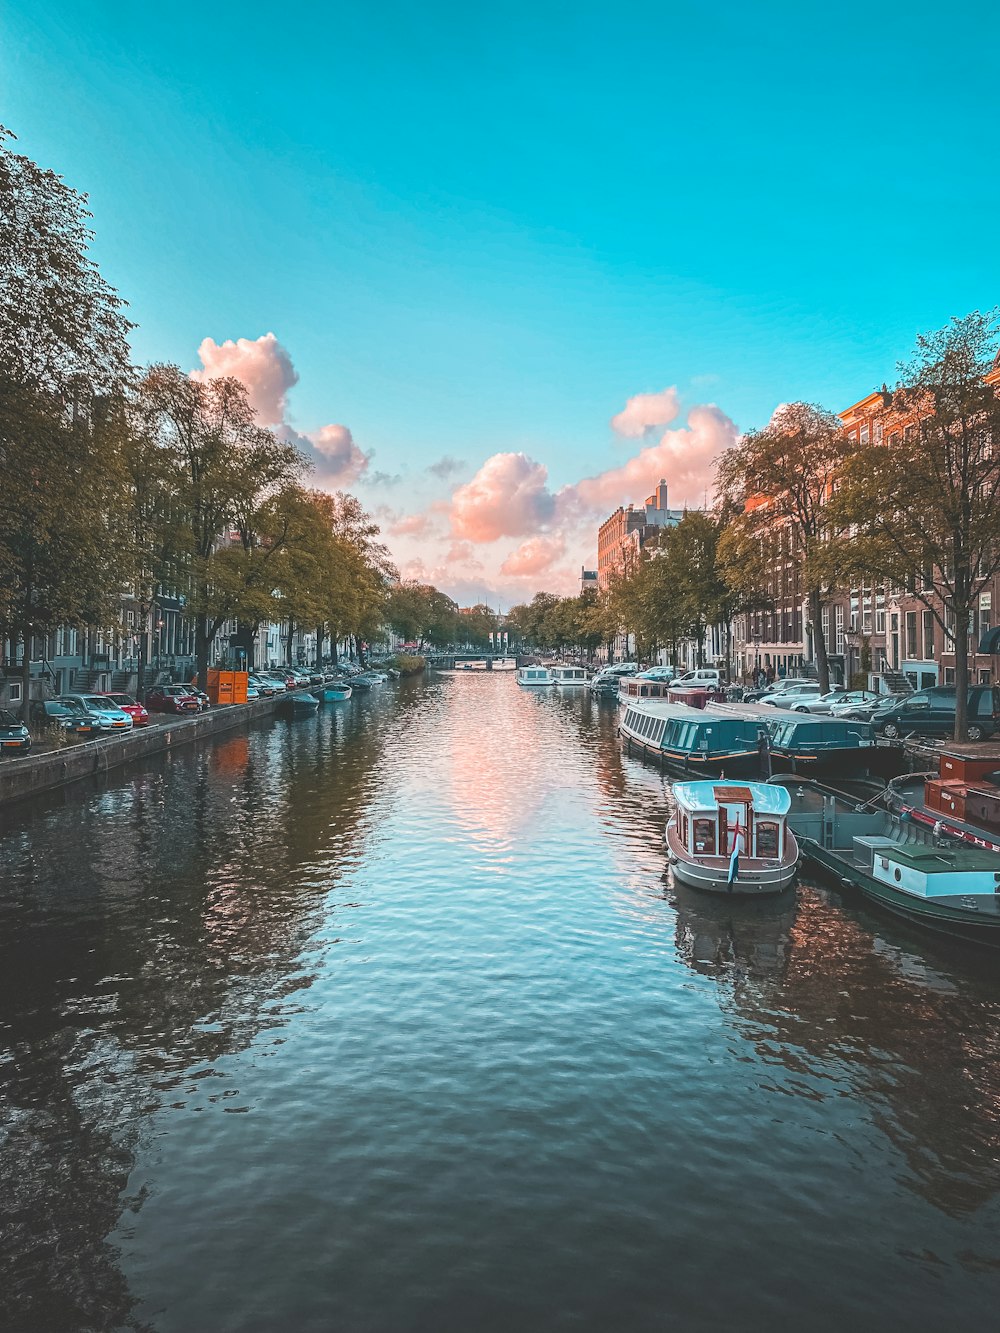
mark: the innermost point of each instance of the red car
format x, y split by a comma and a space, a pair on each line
171, 699
135, 710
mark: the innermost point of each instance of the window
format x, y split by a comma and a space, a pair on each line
767, 839
911, 634
839, 610
878, 432
928, 634
14, 691
864, 436
704, 836
880, 621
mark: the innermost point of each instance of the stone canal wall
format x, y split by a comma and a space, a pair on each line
23, 776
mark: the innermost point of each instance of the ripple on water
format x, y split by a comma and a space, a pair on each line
392, 1019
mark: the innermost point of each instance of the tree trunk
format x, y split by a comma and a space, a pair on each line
822, 662
26, 674
202, 644
320, 638
961, 672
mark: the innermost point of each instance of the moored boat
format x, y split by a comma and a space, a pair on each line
297, 705
569, 676
691, 741
732, 838
336, 693
817, 743
534, 677
949, 887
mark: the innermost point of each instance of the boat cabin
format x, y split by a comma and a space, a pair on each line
711, 814
634, 687
569, 675
534, 675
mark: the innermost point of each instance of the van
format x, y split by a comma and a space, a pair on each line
931, 712
707, 677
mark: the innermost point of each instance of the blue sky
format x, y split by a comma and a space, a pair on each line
480, 230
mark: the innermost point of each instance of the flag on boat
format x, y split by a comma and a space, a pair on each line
734, 860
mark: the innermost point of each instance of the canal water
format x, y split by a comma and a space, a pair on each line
392, 1019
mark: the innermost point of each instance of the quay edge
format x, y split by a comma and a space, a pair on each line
28, 775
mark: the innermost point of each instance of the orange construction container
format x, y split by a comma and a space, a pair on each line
227, 687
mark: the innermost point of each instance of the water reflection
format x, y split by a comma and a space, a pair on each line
400, 1001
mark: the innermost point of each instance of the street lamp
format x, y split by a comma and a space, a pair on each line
159, 643
756, 651
852, 640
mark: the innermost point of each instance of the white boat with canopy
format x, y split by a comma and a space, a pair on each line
732, 837
534, 676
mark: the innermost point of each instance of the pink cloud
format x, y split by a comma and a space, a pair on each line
508, 497
262, 364
534, 556
644, 412
411, 525
686, 457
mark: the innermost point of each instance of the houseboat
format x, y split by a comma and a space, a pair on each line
570, 676
949, 887
535, 677
732, 838
689, 740
636, 687
961, 800
815, 742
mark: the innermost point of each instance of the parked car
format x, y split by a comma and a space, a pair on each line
204, 702
666, 673
265, 688
15, 738
707, 678
794, 692
172, 699
112, 717
834, 699
252, 692
931, 712
71, 718
135, 710
862, 712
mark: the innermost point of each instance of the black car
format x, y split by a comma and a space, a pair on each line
14, 735
71, 718
931, 712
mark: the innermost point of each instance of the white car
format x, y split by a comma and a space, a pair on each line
706, 678
836, 702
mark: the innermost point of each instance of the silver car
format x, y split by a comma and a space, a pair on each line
795, 693
834, 701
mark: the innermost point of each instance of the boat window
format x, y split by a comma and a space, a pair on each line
658, 731
704, 836
767, 839
684, 832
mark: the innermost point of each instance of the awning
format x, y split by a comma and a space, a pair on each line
990, 642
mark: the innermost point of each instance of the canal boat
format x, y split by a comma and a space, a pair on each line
336, 693
690, 740
952, 888
534, 677
639, 687
817, 743
961, 800
570, 677
732, 838
297, 705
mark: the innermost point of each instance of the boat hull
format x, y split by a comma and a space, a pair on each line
337, 696
934, 915
737, 764
756, 879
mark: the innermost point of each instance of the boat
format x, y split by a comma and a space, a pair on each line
534, 676
569, 676
637, 687
297, 705
336, 693
815, 742
732, 838
949, 887
690, 740
961, 800
479, 664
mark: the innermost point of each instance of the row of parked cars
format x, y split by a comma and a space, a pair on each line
926, 712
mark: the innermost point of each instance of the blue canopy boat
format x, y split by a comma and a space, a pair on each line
816, 742
336, 693
692, 740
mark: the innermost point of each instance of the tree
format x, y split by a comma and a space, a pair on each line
226, 469
929, 498
782, 477
65, 348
